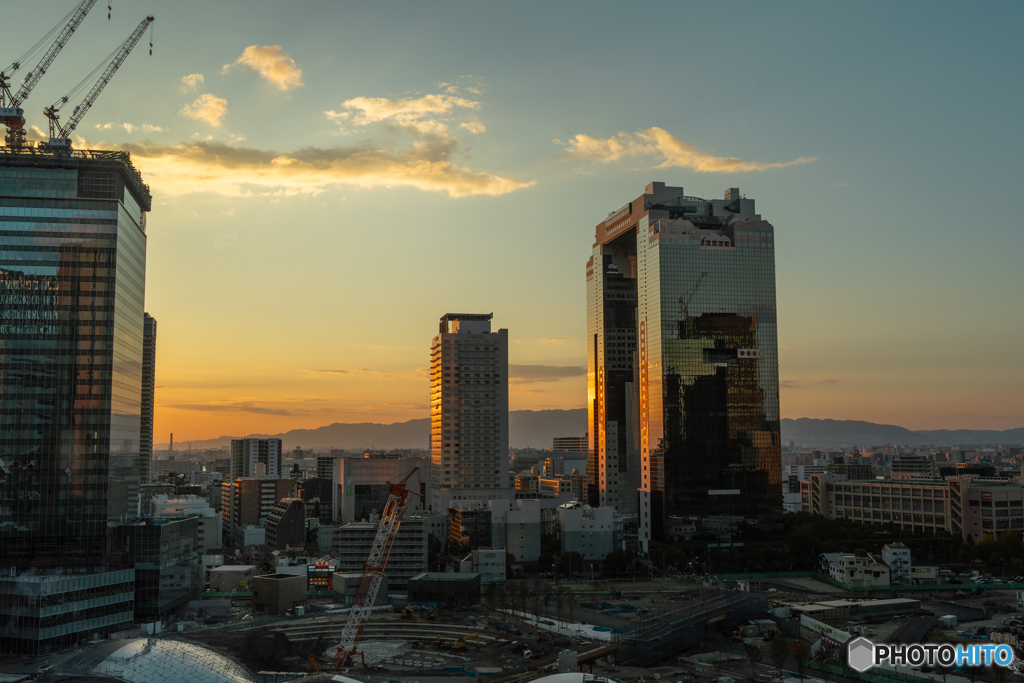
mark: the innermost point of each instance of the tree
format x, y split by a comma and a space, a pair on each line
778, 650
492, 596
802, 652
510, 559
571, 564
545, 562
755, 656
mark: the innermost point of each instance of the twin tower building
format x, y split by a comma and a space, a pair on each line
682, 377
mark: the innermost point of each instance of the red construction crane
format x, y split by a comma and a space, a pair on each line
373, 570
60, 135
11, 113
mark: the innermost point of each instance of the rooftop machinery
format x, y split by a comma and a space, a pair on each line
11, 113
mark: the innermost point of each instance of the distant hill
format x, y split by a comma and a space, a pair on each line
536, 428
809, 432
527, 429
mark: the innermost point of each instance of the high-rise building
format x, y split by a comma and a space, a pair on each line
468, 408
682, 366
72, 292
256, 458
576, 444
148, 390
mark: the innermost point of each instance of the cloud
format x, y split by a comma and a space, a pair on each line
152, 129
208, 108
674, 152
240, 171
273, 64
419, 114
555, 340
474, 126
530, 374
787, 383
103, 126
191, 82
240, 407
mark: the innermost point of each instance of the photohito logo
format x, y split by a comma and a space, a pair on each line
862, 654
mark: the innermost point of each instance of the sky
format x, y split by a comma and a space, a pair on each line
329, 178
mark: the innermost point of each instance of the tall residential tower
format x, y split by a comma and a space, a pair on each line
682, 367
468, 410
148, 394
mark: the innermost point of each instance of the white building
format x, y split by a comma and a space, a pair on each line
586, 530
468, 409
245, 536
408, 552
856, 569
255, 458
516, 526
209, 530
489, 563
896, 557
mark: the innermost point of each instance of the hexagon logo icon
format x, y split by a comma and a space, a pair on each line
860, 654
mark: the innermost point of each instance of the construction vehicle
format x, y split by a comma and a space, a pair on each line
407, 613
373, 571
462, 642
11, 113
60, 135
772, 633
417, 645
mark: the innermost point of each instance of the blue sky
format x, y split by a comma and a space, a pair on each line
327, 225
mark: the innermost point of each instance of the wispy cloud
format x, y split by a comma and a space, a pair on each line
240, 171
787, 383
208, 108
554, 340
191, 82
530, 374
673, 151
239, 407
419, 114
272, 63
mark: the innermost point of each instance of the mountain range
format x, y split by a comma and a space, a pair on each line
536, 428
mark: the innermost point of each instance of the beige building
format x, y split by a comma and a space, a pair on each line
278, 593
468, 409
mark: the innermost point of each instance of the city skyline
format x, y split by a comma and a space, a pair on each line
884, 299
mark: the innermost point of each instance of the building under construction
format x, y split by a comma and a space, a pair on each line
654, 640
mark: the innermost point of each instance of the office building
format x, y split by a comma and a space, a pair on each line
489, 563
256, 458
250, 501
682, 365
896, 557
286, 525
573, 444
361, 486
325, 466
587, 531
164, 554
148, 393
408, 553
209, 521
468, 409
72, 291
318, 495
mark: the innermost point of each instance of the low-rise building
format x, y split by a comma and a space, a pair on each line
452, 588
232, 577
346, 586
208, 531
857, 570
586, 530
896, 557
278, 593
489, 563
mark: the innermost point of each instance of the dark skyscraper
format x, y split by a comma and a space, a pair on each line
72, 290
148, 386
683, 368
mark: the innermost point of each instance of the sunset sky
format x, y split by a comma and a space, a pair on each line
328, 176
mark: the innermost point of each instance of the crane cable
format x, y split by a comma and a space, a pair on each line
89, 78
45, 40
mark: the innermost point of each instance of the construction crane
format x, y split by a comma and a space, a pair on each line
11, 113
60, 135
373, 570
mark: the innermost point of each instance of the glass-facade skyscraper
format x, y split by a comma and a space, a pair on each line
72, 291
682, 366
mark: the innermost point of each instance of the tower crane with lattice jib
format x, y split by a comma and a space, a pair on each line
59, 135
11, 113
373, 570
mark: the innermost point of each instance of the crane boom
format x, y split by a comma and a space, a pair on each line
11, 113
373, 570
59, 135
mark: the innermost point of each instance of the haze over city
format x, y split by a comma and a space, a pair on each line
324, 191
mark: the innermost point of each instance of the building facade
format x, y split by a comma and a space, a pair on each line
286, 525
682, 367
408, 552
250, 501
164, 554
361, 486
208, 531
573, 444
148, 394
468, 407
256, 458
72, 294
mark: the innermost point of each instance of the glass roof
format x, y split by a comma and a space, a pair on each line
161, 660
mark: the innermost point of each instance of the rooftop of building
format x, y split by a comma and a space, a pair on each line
279, 577
234, 568
41, 157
